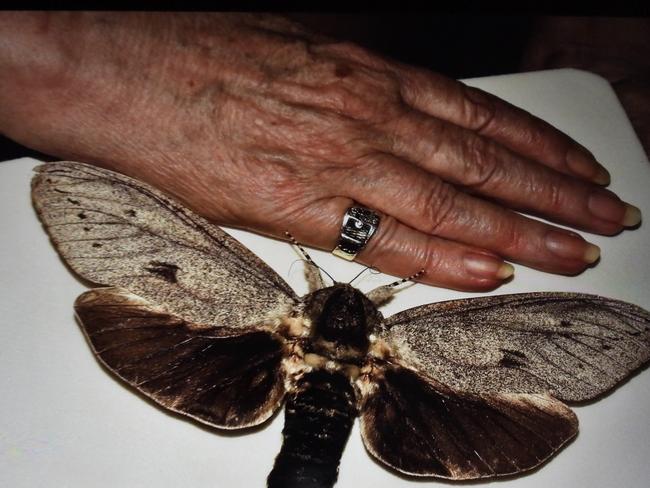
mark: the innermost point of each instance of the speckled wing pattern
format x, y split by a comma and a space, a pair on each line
185, 319
116, 231
228, 382
475, 385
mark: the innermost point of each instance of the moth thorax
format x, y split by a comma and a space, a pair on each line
340, 323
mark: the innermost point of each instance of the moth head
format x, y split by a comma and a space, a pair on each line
342, 318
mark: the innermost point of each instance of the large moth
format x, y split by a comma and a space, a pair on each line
460, 390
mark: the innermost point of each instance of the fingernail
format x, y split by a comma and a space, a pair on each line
607, 206
602, 177
568, 245
632, 216
583, 164
484, 266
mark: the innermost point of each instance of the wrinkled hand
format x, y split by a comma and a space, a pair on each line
256, 123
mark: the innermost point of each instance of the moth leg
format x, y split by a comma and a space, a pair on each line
318, 419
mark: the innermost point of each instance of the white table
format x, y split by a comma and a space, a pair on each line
65, 422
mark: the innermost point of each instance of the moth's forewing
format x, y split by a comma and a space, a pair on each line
228, 382
574, 346
423, 428
116, 231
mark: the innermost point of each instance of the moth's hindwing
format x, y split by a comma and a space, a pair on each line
574, 346
468, 389
423, 428
228, 382
116, 231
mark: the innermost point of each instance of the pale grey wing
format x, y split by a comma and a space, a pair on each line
574, 346
114, 230
228, 382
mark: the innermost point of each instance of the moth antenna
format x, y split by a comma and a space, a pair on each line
315, 280
359, 274
408, 278
383, 294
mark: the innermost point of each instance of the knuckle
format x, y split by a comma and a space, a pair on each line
438, 207
345, 101
415, 137
416, 84
479, 108
430, 259
389, 244
548, 195
511, 241
360, 98
554, 198
479, 164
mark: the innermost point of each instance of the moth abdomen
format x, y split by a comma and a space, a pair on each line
318, 418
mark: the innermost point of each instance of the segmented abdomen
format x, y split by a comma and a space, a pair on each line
318, 418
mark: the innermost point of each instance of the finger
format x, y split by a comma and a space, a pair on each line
401, 251
501, 121
428, 204
485, 167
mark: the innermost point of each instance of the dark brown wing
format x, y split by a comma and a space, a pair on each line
424, 428
116, 231
572, 345
228, 382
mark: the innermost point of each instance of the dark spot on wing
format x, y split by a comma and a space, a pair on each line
81, 215
130, 213
512, 359
73, 202
86, 229
166, 271
565, 323
96, 244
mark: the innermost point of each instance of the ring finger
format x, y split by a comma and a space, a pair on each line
400, 250
426, 203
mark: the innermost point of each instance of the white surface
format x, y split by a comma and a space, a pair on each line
65, 422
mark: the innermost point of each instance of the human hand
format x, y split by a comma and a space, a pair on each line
256, 123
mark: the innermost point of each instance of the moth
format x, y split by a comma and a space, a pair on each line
190, 318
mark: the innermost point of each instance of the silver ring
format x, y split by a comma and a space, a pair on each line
359, 225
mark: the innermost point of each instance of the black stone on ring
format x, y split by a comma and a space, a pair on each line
359, 225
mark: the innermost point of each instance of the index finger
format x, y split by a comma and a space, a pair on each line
510, 126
